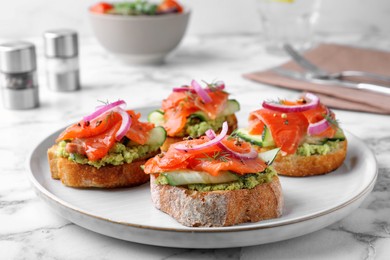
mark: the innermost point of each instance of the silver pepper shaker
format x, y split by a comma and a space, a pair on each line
18, 75
62, 64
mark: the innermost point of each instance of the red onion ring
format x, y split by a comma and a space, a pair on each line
104, 109
126, 123
219, 85
114, 106
320, 126
252, 154
314, 101
201, 92
216, 140
184, 89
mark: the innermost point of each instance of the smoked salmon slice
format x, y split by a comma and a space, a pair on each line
90, 128
318, 114
179, 105
95, 138
138, 131
212, 159
289, 129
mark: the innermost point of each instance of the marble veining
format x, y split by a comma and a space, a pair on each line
29, 229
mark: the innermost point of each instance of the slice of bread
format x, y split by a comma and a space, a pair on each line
218, 208
232, 123
85, 176
299, 166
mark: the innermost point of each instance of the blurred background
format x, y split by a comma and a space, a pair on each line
25, 18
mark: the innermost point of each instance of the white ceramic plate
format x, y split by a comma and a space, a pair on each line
310, 204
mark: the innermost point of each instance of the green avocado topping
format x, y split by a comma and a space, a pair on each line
248, 181
118, 154
196, 128
318, 149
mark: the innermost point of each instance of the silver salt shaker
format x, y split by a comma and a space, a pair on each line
18, 75
62, 64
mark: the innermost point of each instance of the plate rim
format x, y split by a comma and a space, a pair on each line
38, 187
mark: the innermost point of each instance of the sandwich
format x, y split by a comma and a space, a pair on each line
191, 110
215, 181
105, 149
306, 131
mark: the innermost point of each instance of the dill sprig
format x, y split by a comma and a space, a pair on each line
233, 135
237, 140
104, 102
334, 123
222, 156
189, 96
213, 86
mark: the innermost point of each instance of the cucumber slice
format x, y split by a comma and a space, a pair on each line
184, 177
267, 137
269, 156
253, 139
264, 140
199, 115
232, 106
339, 135
156, 117
157, 136
314, 140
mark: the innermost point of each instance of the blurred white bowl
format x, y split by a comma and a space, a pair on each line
140, 39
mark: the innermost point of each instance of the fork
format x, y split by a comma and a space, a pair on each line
315, 72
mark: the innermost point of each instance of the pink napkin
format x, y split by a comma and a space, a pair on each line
335, 58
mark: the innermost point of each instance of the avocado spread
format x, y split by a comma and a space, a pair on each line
196, 127
248, 181
307, 149
118, 154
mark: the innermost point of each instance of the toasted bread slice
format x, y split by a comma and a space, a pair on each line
218, 208
300, 166
85, 176
232, 123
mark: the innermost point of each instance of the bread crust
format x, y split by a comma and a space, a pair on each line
233, 124
85, 176
219, 208
300, 166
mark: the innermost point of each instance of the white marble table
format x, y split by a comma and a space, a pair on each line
29, 229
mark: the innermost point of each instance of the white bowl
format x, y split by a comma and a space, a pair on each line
140, 39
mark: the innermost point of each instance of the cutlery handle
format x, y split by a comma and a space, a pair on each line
335, 82
303, 62
374, 88
370, 75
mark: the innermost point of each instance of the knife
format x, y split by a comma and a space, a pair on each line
317, 72
335, 82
